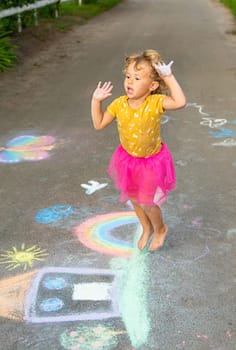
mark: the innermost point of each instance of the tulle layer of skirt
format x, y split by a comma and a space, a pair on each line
145, 180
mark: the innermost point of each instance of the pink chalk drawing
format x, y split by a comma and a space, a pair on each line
27, 148
202, 336
86, 338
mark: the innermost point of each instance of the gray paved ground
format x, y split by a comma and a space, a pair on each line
65, 282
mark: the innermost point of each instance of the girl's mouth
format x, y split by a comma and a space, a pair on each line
129, 91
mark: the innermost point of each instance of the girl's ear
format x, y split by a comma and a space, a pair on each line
154, 85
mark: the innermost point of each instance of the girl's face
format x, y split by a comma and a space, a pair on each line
138, 83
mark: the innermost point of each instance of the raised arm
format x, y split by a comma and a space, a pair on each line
177, 98
101, 119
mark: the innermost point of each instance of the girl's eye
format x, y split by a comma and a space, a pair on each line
137, 78
127, 76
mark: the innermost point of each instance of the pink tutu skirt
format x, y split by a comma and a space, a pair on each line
144, 180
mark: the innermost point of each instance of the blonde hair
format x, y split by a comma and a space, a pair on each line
151, 57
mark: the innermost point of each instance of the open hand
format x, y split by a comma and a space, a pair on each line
164, 69
103, 91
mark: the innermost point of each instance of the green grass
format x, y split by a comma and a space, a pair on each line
7, 55
86, 10
70, 9
231, 4
70, 14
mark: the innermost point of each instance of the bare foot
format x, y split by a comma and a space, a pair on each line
144, 239
158, 239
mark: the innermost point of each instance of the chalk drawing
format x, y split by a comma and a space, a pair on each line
217, 123
134, 299
181, 162
164, 119
25, 257
54, 214
199, 252
198, 107
87, 338
12, 295
93, 186
226, 143
213, 123
85, 291
202, 336
229, 333
222, 133
65, 216
96, 233
27, 148
207, 339
171, 260
56, 283
51, 304
45, 304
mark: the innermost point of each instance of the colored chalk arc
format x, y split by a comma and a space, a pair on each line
96, 233
27, 148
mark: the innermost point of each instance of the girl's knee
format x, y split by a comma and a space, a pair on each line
150, 208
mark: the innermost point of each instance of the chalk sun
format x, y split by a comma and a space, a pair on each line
24, 257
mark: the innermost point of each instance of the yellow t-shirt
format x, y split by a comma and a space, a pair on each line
139, 129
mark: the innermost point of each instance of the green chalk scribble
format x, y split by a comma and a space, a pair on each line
133, 295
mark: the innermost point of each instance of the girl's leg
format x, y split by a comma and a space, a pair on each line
159, 228
145, 223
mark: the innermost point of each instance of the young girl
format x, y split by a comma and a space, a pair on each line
142, 167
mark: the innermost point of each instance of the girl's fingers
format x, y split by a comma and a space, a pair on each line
107, 85
104, 89
170, 64
110, 87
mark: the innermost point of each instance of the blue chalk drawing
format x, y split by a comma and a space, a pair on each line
57, 283
51, 304
222, 133
54, 214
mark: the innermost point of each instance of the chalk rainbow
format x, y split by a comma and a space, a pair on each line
96, 233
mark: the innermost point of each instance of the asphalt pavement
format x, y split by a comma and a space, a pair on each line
71, 276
